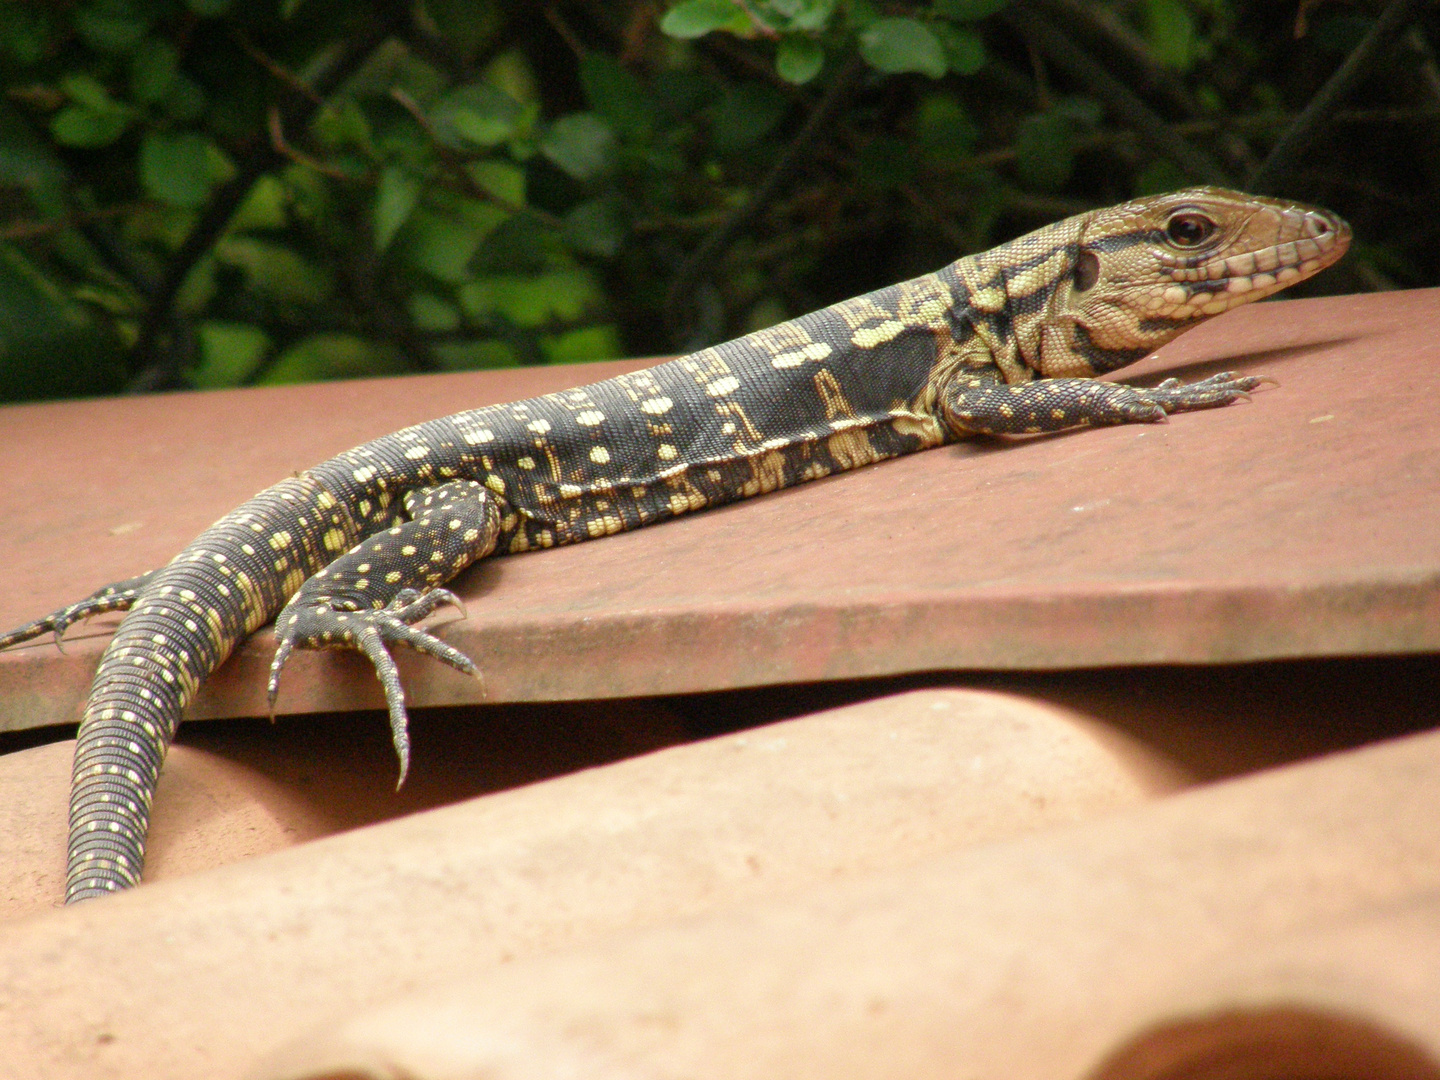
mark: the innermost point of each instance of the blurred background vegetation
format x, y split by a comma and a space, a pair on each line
206, 193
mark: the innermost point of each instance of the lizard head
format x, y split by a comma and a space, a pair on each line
1145, 271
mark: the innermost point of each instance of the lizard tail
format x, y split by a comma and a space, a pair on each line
185, 621
145, 680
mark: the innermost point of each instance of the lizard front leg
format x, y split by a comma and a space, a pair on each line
369, 598
980, 403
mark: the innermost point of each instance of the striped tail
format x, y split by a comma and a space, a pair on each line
186, 620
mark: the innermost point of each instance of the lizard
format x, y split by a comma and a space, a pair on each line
354, 552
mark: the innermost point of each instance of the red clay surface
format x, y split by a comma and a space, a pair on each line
1305, 523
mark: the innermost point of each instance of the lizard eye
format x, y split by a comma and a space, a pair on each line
1087, 271
1189, 229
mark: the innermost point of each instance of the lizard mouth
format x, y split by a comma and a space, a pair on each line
1277, 247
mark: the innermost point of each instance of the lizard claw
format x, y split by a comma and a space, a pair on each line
1223, 389
317, 625
411, 605
272, 687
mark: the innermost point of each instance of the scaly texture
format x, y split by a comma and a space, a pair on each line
352, 553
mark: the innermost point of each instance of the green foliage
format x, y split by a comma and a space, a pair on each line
968, 10
176, 169
42, 323
581, 144
229, 354
332, 356
896, 46
396, 196
695, 18
799, 59
205, 193
1170, 29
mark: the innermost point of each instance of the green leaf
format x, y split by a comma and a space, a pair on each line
264, 206
810, 16
275, 272
27, 160
208, 9
512, 73
964, 49
500, 179
84, 89
583, 345
477, 114
443, 245
229, 354
944, 130
617, 95
679, 93
24, 34
52, 346
1171, 33
895, 46
346, 125
432, 314
198, 288
94, 119
153, 66
696, 18
580, 144
185, 101
532, 301
76, 125
332, 356
767, 312
111, 25
594, 228
1159, 177
309, 193
1044, 150
176, 168
860, 13
395, 197
465, 26
799, 59
473, 355
745, 115
222, 169
968, 10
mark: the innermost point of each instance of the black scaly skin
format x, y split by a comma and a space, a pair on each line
1005, 342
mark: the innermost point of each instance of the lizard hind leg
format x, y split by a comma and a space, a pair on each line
120, 596
370, 598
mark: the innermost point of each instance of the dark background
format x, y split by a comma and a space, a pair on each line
214, 193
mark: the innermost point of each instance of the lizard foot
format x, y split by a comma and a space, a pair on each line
319, 625
1223, 389
120, 596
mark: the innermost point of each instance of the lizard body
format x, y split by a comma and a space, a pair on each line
353, 552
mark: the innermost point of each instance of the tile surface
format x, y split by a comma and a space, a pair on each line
1303, 523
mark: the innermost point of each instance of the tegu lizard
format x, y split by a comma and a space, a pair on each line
353, 552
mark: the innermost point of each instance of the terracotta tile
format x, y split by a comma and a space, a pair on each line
199, 975
232, 790
1300, 524
1357, 997
1311, 887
